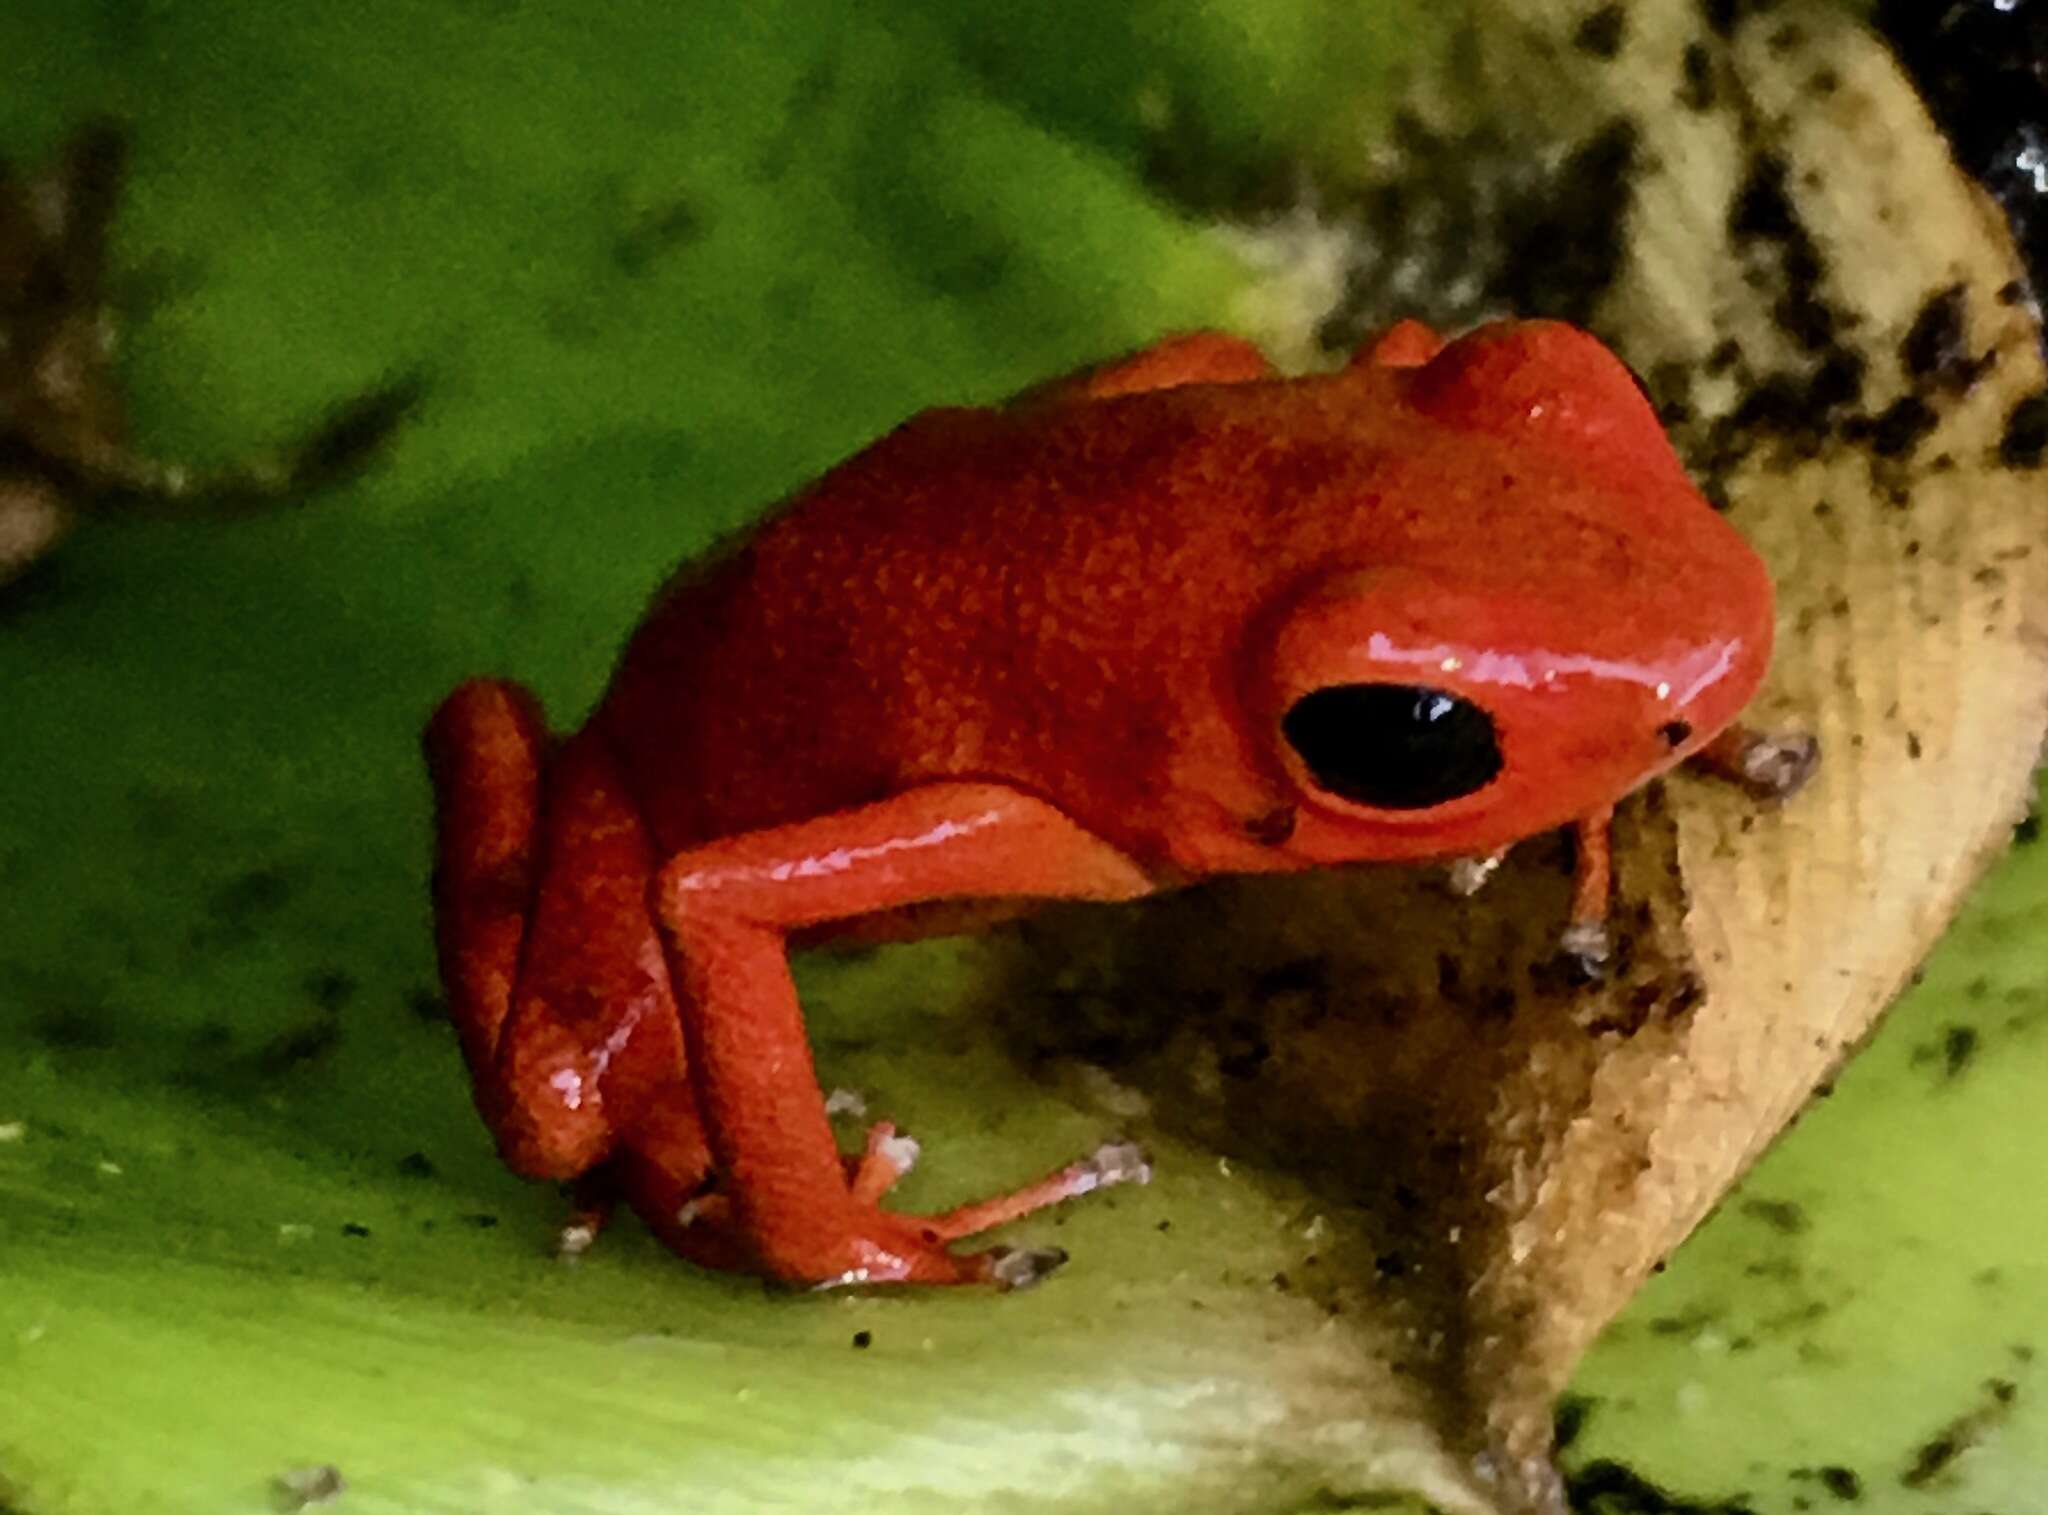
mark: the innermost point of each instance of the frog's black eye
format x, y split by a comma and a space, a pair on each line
1393, 746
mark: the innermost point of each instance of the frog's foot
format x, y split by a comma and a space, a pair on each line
1584, 949
1466, 876
889, 1247
1584, 946
593, 1196
1768, 765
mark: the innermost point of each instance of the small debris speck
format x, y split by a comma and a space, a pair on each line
862, 1340
847, 1102
296, 1488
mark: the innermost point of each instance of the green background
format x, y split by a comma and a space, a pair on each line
659, 264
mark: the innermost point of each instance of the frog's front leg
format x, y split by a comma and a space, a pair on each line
727, 909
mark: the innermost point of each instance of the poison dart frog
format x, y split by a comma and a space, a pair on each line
1167, 618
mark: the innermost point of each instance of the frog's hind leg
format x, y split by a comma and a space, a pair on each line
555, 975
485, 748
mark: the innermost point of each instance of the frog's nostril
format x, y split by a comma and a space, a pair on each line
1675, 733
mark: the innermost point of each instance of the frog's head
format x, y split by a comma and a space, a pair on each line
1558, 617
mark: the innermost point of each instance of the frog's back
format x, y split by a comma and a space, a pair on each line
1024, 595
1069, 595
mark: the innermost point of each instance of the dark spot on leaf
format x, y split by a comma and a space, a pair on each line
1843, 1483
1565, 256
355, 1229
1241, 1049
1934, 348
1781, 1215
2025, 438
1573, 1412
1696, 90
1960, 1434
260, 891
662, 230
75, 1030
1838, 382
481, 1220
1601, 33
1300, 975
1613, 1488
1762, 211
1690, 1323
418, 1165
1786, 39
1761, 207
862, 1340
331, 990
1902, 426
295, 1049
1959, 1046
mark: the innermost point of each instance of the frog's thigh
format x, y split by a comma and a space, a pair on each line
485, 749
1194, 357
727, 909
591, 1055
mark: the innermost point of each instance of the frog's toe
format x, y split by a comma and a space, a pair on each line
888, 1156
1022, 1267
1116, 1162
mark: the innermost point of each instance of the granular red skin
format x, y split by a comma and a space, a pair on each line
1044, 650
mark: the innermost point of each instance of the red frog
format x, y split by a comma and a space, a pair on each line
1159, 620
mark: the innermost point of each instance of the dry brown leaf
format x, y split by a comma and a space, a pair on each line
1830, 313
